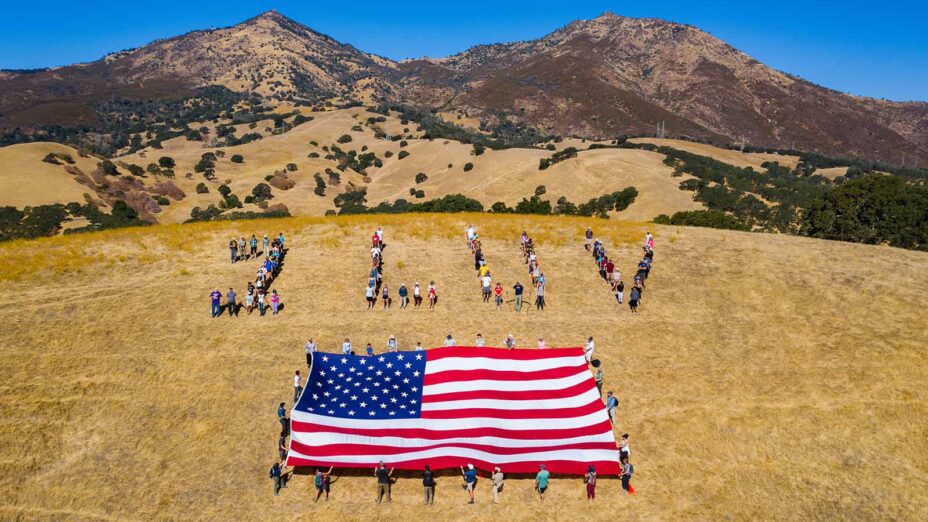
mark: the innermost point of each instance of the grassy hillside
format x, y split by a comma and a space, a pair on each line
765, 377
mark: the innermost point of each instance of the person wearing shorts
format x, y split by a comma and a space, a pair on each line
470, 481
541, 482
485, 284
369, 293
321, 481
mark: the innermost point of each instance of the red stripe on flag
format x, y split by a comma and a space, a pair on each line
328, 450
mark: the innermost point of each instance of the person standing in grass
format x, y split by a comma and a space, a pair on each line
417, 295
470, 481
428, 484
611, 404
249, 302
253, 243
346, 346
540, 296
599, 379
590, 479
541, 481
275, 474
385, 293
432, 294
297, 386
589, 239
620, 292
275, 302
310, 348
625, 451
383, 481
241, 248
633, 300
518, 289
510, 342
282, 416
626, 474
485, 283
541, 343
267, 245
497, 479
588, 349
449, 341
479, 343
391, 344
321, 481
369, 350
233, 249
230, 302
261, 302
419, 347
282, 446
404, 296
215, 298
498, 292
369, 295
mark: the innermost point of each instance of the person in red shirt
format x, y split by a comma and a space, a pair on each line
610, 267
499, 295
375, 240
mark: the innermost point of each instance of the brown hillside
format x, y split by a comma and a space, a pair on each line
765, 377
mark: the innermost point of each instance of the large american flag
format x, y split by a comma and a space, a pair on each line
450, 406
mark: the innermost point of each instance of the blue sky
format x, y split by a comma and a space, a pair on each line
877, 49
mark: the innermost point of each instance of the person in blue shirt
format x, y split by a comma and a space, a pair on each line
216, 306
541, 481
275, 474
611, 404
470, 481
404, 296
518, 291
282, 416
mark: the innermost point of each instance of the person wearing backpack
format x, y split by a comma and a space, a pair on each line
321, 481
428, 485
275, 474
590, 479
627, 471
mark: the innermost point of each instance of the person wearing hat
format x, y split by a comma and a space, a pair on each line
541, 481
383, 481
590, 479
611, 404
470, 480
497, 479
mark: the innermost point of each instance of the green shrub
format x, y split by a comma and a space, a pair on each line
540, 190
202, 188
236, 158
224, 190
421, 178
468, 167
344, 138
261, 192
702, 218
402, 154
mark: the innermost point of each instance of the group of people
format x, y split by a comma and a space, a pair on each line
609, 271
489, 290
376, 288
256, 294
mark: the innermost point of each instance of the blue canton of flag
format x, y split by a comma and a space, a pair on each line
386, 386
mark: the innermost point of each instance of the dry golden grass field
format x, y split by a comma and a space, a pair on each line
766, 377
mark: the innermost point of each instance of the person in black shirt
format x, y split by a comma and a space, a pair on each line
518, 291
383, 481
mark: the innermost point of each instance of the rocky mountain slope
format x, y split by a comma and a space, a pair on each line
594, 78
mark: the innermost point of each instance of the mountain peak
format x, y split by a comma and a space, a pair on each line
272, 15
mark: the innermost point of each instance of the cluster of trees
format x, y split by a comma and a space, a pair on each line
352, 160
355, 202
46, 220
702, 218
211, 213
598, 207
557, 157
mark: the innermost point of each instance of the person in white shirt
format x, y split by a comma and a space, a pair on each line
479, 343
486, 281
416, 295
588, 349
380, 235
375, 252
510, 342
297, 386
391, 344
449, 341
369, 295
346, 346
419, 347
541, 343
310, 347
